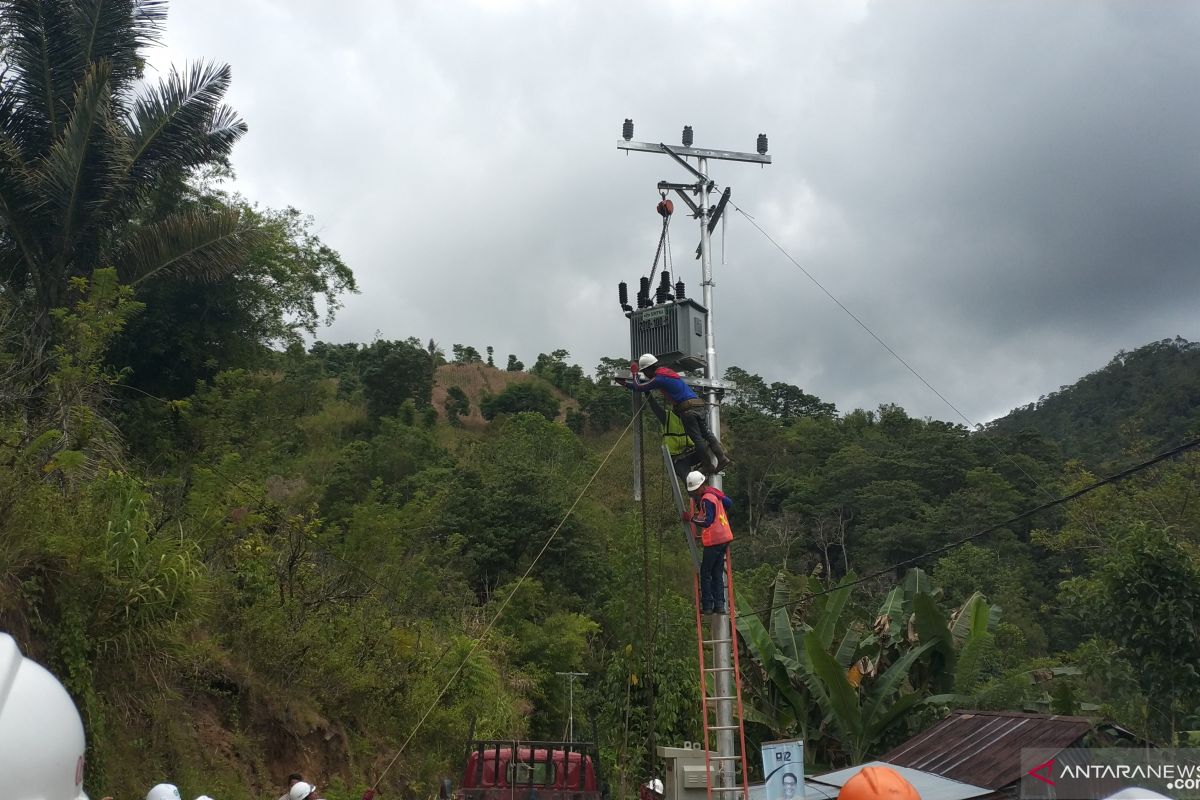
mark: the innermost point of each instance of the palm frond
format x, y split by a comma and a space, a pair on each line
181, 123
20, 249
41, 68
225, 129
116, 31
197, 244
76, 176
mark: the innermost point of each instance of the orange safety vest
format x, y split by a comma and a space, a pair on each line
719, 532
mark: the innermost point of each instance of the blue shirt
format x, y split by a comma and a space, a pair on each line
667, 382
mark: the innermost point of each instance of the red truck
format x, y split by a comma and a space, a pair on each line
517, 770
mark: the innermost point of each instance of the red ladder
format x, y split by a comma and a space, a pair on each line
710, 704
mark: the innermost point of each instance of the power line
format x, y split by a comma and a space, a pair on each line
499, 611
1125, 473
504, 605
888, 348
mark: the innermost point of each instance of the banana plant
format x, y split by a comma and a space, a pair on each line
857, 687
862, 715
782, 701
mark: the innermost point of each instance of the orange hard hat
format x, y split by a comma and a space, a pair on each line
878, 783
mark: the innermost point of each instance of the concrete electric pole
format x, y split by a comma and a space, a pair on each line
708, 215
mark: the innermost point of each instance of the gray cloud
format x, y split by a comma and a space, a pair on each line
1005, 192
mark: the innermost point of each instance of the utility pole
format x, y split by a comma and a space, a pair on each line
713, 386
571, 676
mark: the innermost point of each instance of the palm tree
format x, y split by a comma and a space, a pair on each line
84, 145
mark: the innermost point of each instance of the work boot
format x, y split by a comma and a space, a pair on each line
723, 460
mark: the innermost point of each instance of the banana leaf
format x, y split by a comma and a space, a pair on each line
838, 699
831, 610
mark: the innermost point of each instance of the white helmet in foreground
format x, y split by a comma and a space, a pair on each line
164, 791
41, 734
203, 797
695, 480
655, 786
301, 791
647, 361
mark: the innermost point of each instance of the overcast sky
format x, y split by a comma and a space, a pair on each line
1006, 193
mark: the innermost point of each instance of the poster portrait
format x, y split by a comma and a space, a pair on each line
783, 770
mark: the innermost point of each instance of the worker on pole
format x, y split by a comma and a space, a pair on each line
708, 513
685, 456
685, 403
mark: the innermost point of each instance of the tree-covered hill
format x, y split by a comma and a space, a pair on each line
1141, 402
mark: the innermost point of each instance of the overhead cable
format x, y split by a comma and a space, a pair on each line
1091, 487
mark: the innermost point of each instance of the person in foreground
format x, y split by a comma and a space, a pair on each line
709, 507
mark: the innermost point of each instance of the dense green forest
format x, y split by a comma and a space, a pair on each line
246, 552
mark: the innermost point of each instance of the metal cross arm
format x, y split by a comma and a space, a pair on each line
698, 152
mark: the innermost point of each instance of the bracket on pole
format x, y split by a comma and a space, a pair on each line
716, 214
717, 210
679, 189
700, 176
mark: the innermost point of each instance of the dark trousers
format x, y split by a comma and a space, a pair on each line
712, 579
695, 423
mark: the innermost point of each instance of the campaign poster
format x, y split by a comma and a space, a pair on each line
783, 768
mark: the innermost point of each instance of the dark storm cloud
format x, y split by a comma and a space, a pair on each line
1005, 192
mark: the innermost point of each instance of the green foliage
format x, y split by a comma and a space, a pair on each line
553, 368
271, 301
85, 146
392, 372
851, 685
526, 396
1140, 403
465, 354
513, 364
1146, 599
456, 404
779, 400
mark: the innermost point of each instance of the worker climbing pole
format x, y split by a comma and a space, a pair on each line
664, 337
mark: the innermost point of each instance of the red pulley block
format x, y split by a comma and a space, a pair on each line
666, 207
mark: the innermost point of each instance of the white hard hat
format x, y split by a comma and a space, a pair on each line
163, 791
41, 734
203, 797
301, 790
647, 360
655, 786
694, 480
1137, 793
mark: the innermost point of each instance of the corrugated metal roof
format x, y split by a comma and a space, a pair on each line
812, 791
928, 785
984, 747
821, 792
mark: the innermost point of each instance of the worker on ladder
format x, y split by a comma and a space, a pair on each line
686, 404
710, 516
685, 456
